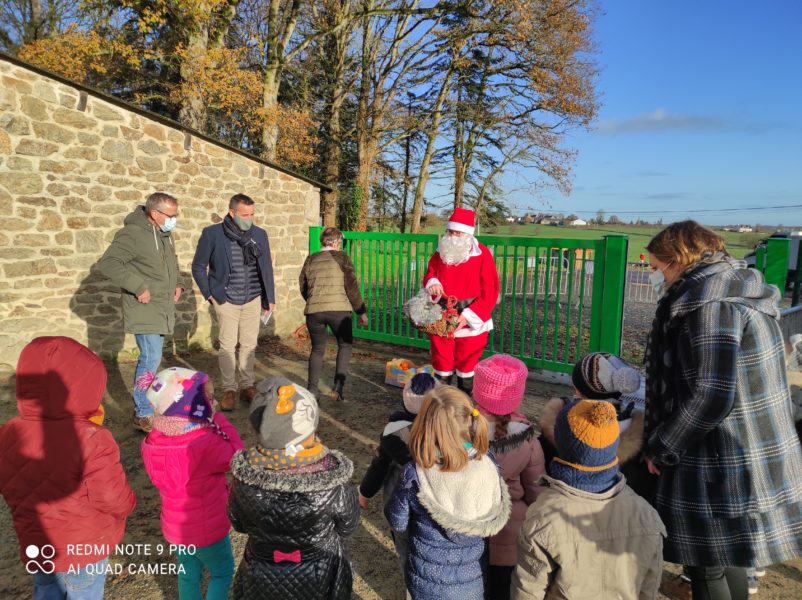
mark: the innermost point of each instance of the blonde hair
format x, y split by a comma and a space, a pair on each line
446, 421
684, 243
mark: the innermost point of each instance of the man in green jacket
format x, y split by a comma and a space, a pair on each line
142, 261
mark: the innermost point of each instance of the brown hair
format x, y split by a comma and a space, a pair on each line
684, 243
500, 431
445, 422
330, 236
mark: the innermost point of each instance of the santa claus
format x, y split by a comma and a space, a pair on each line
464, 268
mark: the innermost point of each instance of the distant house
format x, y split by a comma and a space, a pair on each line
511, 219
578, 223
745, 229
545, 221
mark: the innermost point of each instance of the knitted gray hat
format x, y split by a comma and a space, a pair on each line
601, 375
284, 414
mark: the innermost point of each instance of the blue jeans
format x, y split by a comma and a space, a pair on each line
150, 356
218, 559
86, 584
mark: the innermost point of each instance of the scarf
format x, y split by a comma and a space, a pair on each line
250, 250
274, 459
663, 337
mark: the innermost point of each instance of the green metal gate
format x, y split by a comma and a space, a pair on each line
559, 298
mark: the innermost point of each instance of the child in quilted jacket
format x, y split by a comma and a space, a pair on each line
393, 452
292, 496
60, 473
498, 390
448, 500
187, 456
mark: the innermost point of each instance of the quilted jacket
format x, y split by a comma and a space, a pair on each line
520, 458
190, 473
447, 515
61, 474
296, 523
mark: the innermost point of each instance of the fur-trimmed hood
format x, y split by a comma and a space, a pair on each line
518, 433
631, 440
284, 481
473, 501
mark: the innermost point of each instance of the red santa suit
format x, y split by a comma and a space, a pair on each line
475, 278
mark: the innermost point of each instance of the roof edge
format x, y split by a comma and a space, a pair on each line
156, 117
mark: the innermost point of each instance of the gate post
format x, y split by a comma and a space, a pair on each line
610, 295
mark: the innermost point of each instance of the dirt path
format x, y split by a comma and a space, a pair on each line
352, 427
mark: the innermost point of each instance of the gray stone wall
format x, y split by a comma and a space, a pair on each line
72, 166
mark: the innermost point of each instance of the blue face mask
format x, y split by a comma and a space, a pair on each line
169, 224
658, 281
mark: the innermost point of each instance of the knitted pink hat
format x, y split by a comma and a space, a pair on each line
499, 383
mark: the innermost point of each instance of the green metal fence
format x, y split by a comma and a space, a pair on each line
559, 298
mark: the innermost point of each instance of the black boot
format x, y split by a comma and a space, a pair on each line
446, 379
465, 384
337, 390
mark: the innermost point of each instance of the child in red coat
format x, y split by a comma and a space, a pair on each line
61, 474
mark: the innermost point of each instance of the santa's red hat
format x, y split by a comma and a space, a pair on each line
462, 220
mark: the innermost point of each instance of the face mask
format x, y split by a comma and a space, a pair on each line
169, 224
243, 224
658, 281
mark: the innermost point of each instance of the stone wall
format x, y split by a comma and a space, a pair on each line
72, 166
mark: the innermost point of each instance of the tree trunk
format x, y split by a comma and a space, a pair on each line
193, 108
335, 48
270, 104
431, 138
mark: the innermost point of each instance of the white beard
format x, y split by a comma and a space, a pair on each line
455, 250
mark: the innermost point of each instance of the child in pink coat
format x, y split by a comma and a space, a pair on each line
498, 390
187, 456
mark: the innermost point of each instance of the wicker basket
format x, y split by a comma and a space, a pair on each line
448, 320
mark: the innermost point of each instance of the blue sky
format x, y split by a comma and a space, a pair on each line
700, 109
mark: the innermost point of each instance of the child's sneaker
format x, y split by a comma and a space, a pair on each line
752, 583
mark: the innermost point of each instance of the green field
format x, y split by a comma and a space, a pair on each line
738, 244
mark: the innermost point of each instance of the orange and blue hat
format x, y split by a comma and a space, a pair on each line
586, 436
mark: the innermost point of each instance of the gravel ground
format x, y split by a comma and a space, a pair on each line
352, 427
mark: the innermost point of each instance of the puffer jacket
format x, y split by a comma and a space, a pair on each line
328, 283
447, 515
190, 473
520, 458
391, 456
60, 474
142, 257
575, 544
296, 524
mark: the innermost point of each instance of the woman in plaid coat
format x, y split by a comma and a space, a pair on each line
719, 429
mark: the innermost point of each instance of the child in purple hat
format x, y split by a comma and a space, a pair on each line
187, 456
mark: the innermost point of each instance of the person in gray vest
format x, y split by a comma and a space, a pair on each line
233, 270
328, 284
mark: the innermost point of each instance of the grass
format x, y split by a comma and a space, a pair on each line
738, 244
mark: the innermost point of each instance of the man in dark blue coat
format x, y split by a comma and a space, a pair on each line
233, 270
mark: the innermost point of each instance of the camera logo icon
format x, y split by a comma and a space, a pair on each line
40, 559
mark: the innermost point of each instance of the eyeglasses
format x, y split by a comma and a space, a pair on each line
165, 214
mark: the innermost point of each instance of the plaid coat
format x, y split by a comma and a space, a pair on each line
719, 423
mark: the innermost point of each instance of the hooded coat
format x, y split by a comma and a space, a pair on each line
719, 423
296, 524
61, 474
142, 257
447, 515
